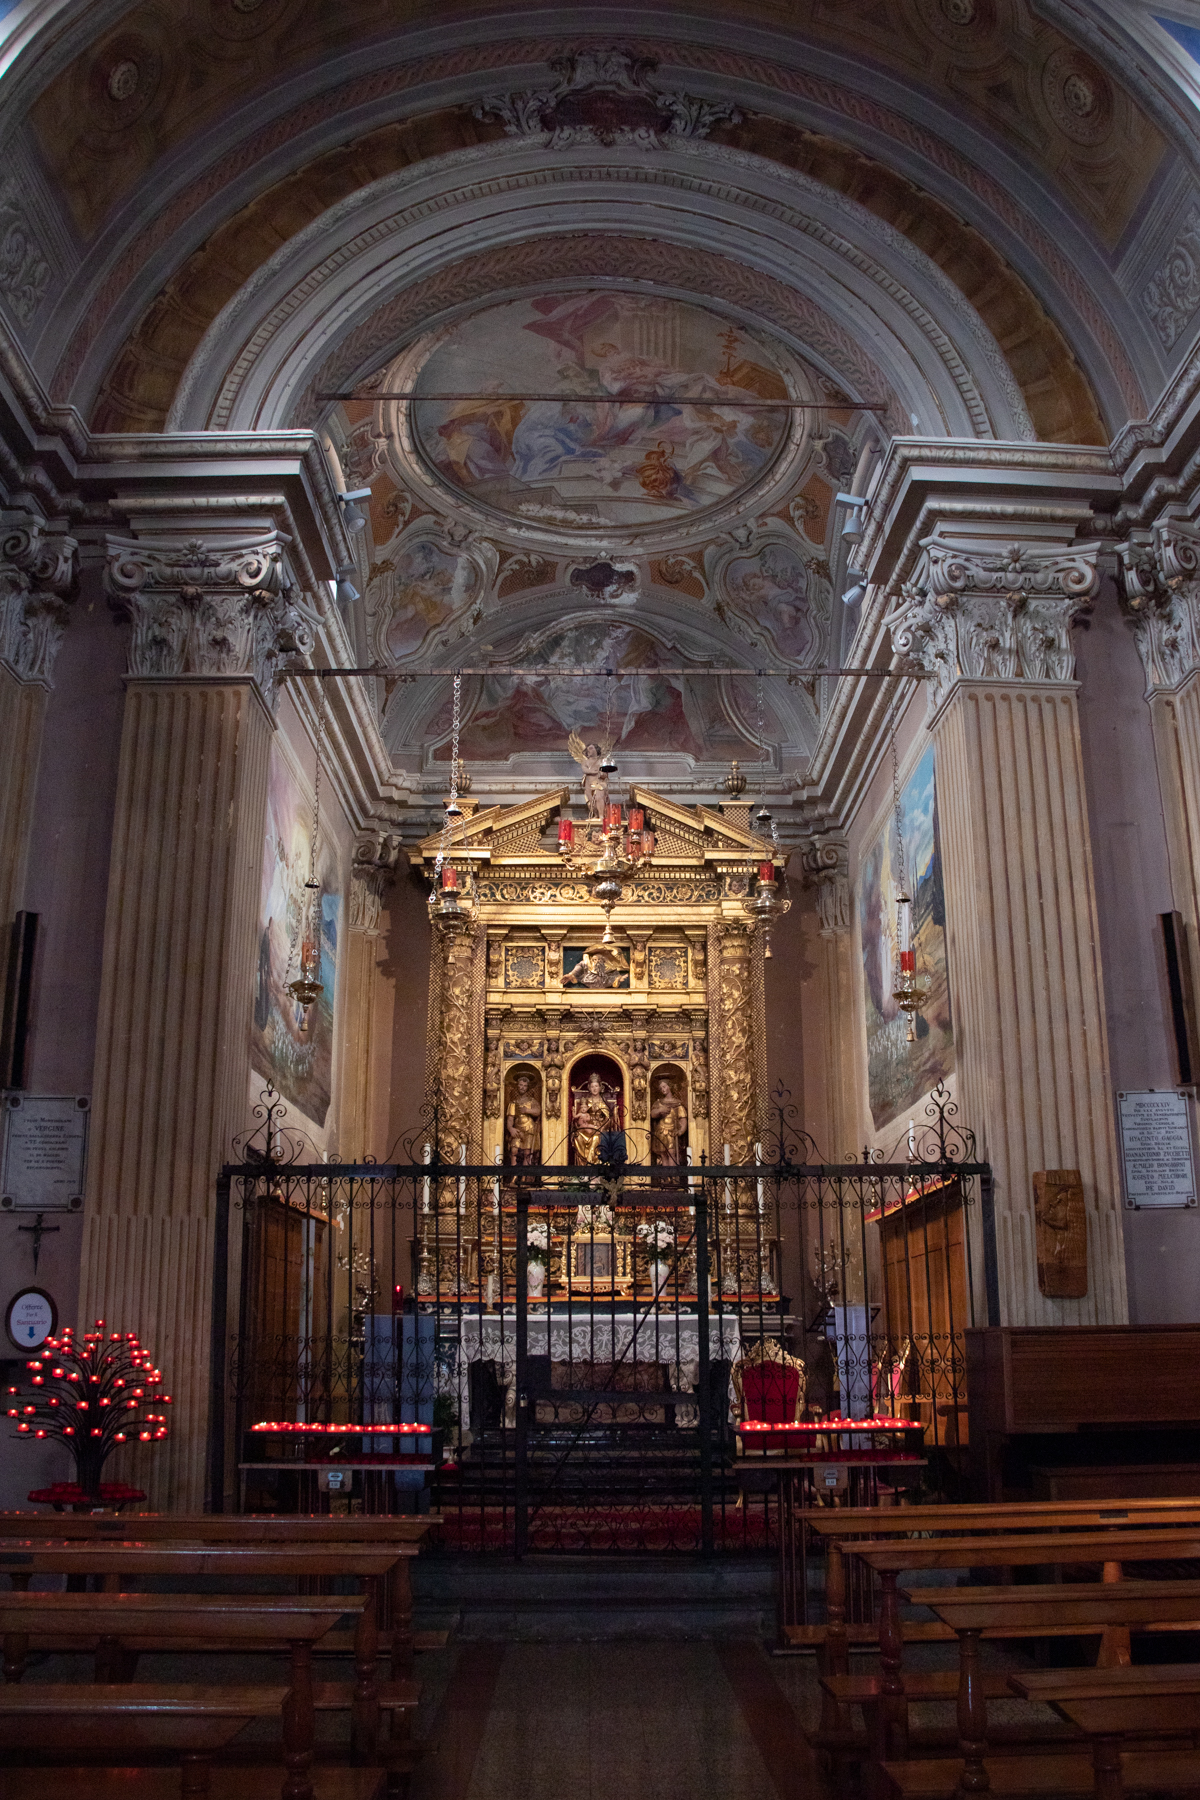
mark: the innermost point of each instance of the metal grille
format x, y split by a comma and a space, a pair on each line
569, 1352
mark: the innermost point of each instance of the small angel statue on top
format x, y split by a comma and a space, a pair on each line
595, 781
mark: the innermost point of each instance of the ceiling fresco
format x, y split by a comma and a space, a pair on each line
664, 410
703, 718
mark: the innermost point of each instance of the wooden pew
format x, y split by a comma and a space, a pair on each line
1111, 1704
407, 1535
122, 1563
118, 1624
1012, 1612
191, 1721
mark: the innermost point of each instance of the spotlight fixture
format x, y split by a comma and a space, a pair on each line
346, 590
855, 505
353, 516
855, 593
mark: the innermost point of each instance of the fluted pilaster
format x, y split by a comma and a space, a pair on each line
37, 577
368, 1022
991, 633
172, 1055
1161, 571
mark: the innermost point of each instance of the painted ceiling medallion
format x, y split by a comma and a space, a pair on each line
604, 97
593, 413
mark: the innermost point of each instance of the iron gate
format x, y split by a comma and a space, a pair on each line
572, 1349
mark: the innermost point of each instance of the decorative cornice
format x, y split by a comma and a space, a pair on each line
37, 579
214, 610
1161, 581
826, 865
973, 615
604, 96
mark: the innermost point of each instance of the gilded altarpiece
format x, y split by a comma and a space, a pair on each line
542, 1037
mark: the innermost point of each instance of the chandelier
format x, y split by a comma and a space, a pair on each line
308, 987
445, 901
624, 844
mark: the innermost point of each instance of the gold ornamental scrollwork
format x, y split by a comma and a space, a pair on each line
737, 1043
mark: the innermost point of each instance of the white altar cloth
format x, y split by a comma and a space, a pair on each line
585, 1336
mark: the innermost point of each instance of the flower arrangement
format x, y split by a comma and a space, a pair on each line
538, 1240
92, 1395
657, 1235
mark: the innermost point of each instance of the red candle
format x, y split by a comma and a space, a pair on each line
637, 818
633, 843
766, 871
647, 843
908, 962
612, 815
566, 831
449, 877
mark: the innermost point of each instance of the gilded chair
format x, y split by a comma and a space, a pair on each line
768, 1384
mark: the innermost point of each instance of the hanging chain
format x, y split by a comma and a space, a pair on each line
316, 824
452, 803
762, 743
899, 817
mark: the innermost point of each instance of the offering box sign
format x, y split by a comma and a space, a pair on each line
1156, 1147
44, 1152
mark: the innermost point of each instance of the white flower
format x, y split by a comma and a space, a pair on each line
539, 1235
657, 1234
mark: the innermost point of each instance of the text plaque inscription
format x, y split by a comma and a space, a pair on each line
44, 1152
1156, 1147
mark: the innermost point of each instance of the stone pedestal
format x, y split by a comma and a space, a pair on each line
179, 954
991, 631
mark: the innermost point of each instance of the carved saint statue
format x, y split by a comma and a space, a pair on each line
668, 1124
523, 1122
593, 1112
595, 781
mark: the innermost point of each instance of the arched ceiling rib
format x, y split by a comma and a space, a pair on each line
907, 101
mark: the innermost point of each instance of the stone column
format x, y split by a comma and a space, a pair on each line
172, 1057
990, 630
37, 576
1162, 597
368, 1028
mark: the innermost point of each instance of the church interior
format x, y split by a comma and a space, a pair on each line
599, 898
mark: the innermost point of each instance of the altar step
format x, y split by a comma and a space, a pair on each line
573, 1598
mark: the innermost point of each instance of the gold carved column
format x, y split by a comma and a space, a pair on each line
992, 631
172, 1051
736, 1071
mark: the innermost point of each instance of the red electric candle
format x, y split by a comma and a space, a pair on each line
637, 818
612, 816
449, 877
766, 871
908, 962
566, 831
647, 843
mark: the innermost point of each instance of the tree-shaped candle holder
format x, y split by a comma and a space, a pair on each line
93, 1395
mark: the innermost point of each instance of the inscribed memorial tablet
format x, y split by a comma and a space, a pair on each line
1156, 1147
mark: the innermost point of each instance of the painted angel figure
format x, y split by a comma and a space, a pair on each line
595, 781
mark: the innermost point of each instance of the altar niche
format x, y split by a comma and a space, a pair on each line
522, 1115
596, 1086
669, 1116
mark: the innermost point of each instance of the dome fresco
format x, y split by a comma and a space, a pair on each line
613, 410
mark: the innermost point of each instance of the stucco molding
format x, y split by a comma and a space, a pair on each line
1161, 598
37, 581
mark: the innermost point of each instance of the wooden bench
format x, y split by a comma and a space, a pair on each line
890, 1557
405, 1535
122, 1563
1008, 1612
1110, 1704
120, 1626
191, 1721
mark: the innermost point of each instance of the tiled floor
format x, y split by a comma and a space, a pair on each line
642, 1720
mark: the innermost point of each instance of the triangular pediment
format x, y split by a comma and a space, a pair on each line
712, 832
504, 830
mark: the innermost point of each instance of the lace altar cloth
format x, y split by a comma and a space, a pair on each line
586, 1337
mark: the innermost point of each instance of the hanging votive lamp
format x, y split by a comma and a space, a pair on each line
766, 904
909, 993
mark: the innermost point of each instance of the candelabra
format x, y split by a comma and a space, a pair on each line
445, 903
624, 845
911, 990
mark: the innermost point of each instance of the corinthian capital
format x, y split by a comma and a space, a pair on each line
216, 610
1161, 578
972, 615
826, 867
37, 578
373, 865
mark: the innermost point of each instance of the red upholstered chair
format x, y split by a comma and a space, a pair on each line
768, 1384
